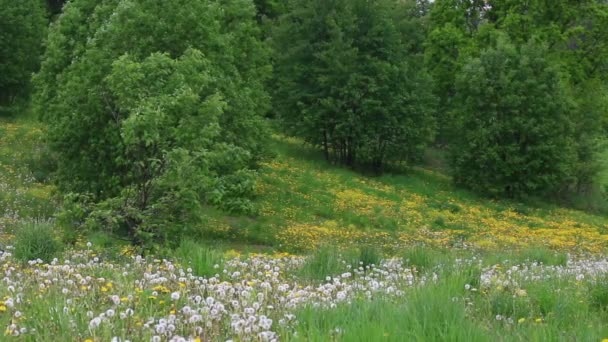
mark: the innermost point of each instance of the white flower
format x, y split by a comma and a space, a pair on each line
175, 296
94, 323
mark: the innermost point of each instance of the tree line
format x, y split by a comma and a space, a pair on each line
156, 110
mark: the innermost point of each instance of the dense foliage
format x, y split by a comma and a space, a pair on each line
516, 136
350, 80
155, 109
574, 37
22, 29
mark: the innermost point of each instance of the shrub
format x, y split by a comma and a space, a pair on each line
35, 240
155, 110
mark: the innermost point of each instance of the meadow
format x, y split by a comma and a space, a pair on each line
331, 255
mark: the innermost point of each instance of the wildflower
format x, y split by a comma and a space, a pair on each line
521, 320
94, 323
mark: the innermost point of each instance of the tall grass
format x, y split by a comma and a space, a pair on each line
204, 260
36, 240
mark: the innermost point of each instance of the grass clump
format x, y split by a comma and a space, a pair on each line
422, 258
327, 261
35, 240
204, 260
598, 293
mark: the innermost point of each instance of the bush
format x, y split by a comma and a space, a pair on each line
516, 137
155, 110
35, 240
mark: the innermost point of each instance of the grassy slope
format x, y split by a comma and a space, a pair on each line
305, 202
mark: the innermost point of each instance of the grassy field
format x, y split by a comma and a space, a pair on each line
346, 257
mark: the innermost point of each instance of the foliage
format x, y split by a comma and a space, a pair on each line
144, 121
516, 135
35, 240
349, 79
22, 29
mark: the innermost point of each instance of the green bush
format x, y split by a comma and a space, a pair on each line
155, 110
35, 240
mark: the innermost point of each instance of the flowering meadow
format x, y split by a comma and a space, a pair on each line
345, 258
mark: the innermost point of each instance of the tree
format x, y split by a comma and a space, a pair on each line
22, 29
155, 110
350, 80
516, 134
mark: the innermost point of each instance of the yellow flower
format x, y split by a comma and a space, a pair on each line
104, 289
89, 340
2, 308
198, 339
539, 320
521, 320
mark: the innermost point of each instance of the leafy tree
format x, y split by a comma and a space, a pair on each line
155, 110
516, 134
22, 29
350, 79
443, 57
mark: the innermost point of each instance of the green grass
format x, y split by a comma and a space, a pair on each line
446, 312
203, 260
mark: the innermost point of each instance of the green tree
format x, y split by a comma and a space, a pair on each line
22, 30
516, 135
155, 109
350, 79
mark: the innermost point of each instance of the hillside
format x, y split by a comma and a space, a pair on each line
305, 202
466, 269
